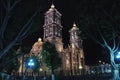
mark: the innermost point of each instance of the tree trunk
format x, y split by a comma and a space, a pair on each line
115, 67
116, 74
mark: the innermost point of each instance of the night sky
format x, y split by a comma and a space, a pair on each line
71, 10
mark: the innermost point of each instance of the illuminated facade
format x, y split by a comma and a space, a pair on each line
73, 55
36, 50
52, 28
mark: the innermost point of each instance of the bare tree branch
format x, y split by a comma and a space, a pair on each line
5, 20
6, 49
8, 61
104, 41
7, 16
1, 44
112, 8
110, 17
14, 4
20, 34
8, 5
24, 35
92, 37
4, 25
4, 5
114, 41
117, 46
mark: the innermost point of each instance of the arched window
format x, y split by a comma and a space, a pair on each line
46, 31
59, 32
72, 37
51, 31
56, 31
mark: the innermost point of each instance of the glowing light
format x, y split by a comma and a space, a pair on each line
52, 6
103, 62
74, 24
74, 27
67, 61
109, 71
31, 60
31, 63
80, 67
39, 39
41, 69
118, 55
73, 46
99, 61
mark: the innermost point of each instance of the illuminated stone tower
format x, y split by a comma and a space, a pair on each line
72, 56
77, 54
52, 28
75, 40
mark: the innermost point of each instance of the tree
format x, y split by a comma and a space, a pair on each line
15, 37
13, 65
108, 37
11, 59
50, 56
103, 27
110, 42
16, 23
100, 21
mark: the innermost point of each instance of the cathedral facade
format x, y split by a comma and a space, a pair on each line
72, 56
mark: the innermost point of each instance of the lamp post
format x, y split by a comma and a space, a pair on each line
31, 63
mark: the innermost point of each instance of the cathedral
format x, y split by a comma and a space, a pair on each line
72, 56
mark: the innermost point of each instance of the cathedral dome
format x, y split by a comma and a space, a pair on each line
37, 47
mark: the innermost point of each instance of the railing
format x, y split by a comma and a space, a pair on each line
72, 77
59, 75
57, 72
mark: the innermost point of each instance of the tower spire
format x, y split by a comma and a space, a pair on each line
52, 6
74, 25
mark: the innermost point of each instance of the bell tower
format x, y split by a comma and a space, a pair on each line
75, 40
52, 27
77, 54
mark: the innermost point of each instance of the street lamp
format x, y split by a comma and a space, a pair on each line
31, 63
80, 67
41, 69
118, 55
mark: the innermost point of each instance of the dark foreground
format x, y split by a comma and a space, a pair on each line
60, 77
